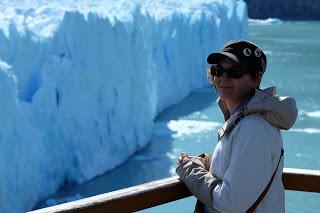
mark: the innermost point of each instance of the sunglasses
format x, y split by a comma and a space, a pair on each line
233, 72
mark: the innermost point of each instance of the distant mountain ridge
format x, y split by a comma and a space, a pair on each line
284, 9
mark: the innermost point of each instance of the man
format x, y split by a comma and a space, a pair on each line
244, 173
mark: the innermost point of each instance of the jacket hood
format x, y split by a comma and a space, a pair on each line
279, 111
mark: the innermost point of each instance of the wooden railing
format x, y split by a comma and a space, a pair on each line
167, 190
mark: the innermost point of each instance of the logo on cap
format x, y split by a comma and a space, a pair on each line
246, 51
258, 52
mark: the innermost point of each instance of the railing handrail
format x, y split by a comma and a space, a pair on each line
167, 190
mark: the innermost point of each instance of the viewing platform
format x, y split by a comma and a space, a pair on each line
166, 190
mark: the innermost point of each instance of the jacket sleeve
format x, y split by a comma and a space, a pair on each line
199, 181
255, 152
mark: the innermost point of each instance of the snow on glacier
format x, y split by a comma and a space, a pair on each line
82, 81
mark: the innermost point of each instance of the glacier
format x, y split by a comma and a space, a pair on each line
82, 81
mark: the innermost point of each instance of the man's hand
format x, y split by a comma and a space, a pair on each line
183, 158
201, 159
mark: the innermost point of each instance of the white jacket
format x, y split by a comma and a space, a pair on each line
245, 158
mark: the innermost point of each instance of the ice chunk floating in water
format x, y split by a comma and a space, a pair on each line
81, 83
314, 114
265, 21
182, 128
306, 130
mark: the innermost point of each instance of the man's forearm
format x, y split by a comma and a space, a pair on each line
199, 181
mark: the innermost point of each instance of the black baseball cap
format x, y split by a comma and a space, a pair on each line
243, 52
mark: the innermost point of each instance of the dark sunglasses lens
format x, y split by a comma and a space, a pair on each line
231, 73
217, 71
235, 73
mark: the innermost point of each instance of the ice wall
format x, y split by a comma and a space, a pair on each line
81, 82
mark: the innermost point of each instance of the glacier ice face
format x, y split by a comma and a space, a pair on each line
82, 82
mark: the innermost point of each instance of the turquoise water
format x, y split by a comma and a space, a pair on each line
293, 50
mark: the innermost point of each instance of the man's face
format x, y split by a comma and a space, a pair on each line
232, 90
